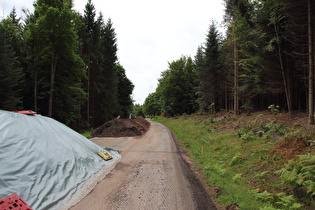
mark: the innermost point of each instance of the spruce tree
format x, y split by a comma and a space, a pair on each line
208, 70
106, 81
11, 74
58, 67
311, 54
125, 88
90, 36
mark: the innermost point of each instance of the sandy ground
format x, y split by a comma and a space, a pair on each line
151, 175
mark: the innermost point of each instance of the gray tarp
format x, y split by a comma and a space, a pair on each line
45, 162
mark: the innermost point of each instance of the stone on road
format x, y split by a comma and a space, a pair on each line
151, 175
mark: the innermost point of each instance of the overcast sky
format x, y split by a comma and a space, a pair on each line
150, 33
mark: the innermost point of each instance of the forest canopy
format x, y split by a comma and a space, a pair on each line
266, 57
63, 64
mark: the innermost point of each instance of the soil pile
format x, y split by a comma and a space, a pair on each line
122, 128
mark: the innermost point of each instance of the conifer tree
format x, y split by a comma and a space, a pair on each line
11, 74
311, 54
199, 62
208, 70
90, 36
56, 61
106, 81
125, 88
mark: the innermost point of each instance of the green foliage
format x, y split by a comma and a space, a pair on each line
264, 131
138, 111
125, 88
250, 47
215, 168
87, 134
105, 100
223, 159
176, 87
152, 104
11, 74
248, 136
56, 68
89, 34
209, 71
261, 177
42, 69
108, 88
237, 177
278, 200
274, 109
236, 159
259, 35
62, 64
237, 167
300, 175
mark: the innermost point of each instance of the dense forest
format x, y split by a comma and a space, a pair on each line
266, 57
62, 64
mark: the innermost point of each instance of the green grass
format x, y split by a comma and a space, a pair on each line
237, 165
87, 134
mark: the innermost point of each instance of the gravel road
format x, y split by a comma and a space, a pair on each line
151, 175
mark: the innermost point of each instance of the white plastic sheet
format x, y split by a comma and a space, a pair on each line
45, 162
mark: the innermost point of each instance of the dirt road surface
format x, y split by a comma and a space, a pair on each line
151, 175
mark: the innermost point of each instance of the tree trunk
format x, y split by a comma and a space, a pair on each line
290, 96
226, 99
284, 73
88, 93
311, 65
52, 83
236, 85
35, 91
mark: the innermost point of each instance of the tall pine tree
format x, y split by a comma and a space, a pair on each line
125, 88
90, 36
11, 74
208, 70
56, 61
106, 81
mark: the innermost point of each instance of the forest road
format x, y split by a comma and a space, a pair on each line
151, 175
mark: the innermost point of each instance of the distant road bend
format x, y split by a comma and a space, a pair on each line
151, 175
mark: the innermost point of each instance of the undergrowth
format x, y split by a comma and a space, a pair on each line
87, 134
254, 162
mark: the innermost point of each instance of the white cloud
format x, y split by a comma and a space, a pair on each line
150, 33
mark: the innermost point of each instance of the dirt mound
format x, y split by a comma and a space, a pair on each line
122, 128
142, 123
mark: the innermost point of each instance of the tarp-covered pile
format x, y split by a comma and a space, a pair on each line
46, 163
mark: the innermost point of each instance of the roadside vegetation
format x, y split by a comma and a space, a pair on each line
87, 134
262, 161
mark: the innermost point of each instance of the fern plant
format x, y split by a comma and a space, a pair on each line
274, 109
300, 175
278, 200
